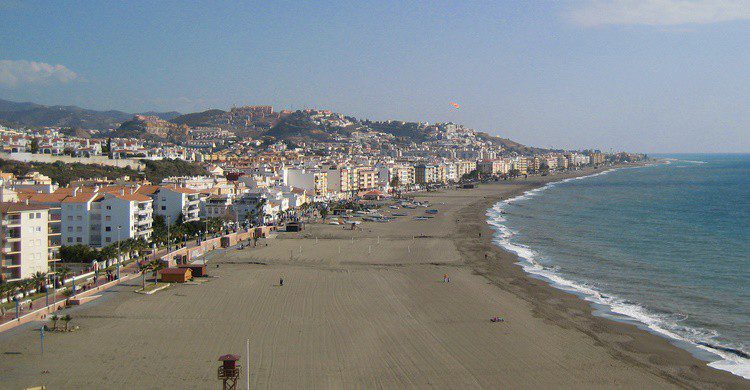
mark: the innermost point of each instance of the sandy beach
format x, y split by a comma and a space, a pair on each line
358, 309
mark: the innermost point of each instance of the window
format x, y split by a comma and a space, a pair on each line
163, 208
39, 215
108, 218
70, 228
108, 229
109, 207
79, 228
78, 239
108, 239
79, 218
70, 239
31, 215
38, 228
70, 217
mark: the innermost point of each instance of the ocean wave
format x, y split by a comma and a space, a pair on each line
670, 325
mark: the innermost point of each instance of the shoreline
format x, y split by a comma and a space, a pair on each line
509, 273
715, 355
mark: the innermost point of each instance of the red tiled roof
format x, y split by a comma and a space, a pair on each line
10, 207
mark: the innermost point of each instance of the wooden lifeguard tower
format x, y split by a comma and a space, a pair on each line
229, 371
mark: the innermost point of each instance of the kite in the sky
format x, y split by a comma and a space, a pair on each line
455, 105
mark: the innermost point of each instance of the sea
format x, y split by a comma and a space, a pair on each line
664, 246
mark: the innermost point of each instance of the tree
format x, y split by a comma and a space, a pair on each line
395, 182
514, 173
144, 268
66, 319
54, 319
78, 253
108, 148
473, 175
159, 226
62, 273
544, 168
155, 266
26, 285
40, 280
35, 146
8, 289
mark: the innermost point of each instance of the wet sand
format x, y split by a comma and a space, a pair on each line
358, 309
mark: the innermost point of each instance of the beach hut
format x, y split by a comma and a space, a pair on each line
295, 226
373, 195
197, 270
176, 275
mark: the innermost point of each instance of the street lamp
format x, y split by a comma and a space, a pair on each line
117, 266
168, 242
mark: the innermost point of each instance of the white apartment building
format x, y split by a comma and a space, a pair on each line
81, 219
173, 201
126, 215
99, 219
308, 179
217, 206
25, 241
248, 206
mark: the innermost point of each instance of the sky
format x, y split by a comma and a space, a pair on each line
636, 75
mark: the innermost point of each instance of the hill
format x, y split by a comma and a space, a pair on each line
204, 118
301, 126
151, 128
37, 115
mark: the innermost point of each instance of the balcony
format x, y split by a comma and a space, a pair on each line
13, 235
12, 222
12, 248
13, 260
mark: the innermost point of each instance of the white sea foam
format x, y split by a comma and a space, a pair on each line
665, 325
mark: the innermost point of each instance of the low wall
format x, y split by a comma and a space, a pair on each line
48, 158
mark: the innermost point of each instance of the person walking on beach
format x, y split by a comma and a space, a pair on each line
281, 281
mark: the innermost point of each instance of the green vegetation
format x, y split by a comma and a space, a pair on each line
63, 173
85, 254
544, 168
156, 170
471, 176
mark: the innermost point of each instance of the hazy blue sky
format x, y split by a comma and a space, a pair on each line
641, 75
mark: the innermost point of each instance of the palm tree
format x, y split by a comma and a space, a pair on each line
54, 319
144, 267
40, 281
62, 273
66, 319
155, 266
26, 286
9, 289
